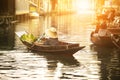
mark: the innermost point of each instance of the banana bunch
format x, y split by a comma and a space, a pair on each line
30, 38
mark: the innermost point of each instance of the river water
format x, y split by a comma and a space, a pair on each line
90, 63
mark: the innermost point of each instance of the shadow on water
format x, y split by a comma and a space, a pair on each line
65, 59
57, 62
110, 62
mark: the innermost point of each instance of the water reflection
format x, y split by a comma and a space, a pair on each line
5, 62
57, 63
7, 36
90, 63
110, 62
33, 66
65, 59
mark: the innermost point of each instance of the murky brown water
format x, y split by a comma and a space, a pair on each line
90, 63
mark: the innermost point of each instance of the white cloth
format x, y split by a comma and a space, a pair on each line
102, 32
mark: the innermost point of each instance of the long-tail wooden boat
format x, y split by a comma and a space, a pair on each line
62, 47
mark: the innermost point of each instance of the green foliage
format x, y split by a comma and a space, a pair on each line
28, 38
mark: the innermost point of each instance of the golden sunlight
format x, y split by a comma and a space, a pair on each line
83, 5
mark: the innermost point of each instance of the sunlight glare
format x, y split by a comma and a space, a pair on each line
83, 6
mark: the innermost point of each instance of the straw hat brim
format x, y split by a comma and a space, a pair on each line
50, 33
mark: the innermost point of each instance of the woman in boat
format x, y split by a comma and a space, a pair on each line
51, 37
103, 29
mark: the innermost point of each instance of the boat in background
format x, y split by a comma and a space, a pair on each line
105, 31
111, 40
101, 41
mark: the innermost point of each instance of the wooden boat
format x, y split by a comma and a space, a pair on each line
101, 41
63, 47
107, 41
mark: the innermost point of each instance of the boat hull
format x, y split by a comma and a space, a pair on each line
54, 49
101, 41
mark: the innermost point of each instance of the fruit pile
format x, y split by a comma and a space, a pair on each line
30, 38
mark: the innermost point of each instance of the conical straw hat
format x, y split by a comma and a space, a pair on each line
51, 33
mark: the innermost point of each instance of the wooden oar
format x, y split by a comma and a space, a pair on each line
40, 37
